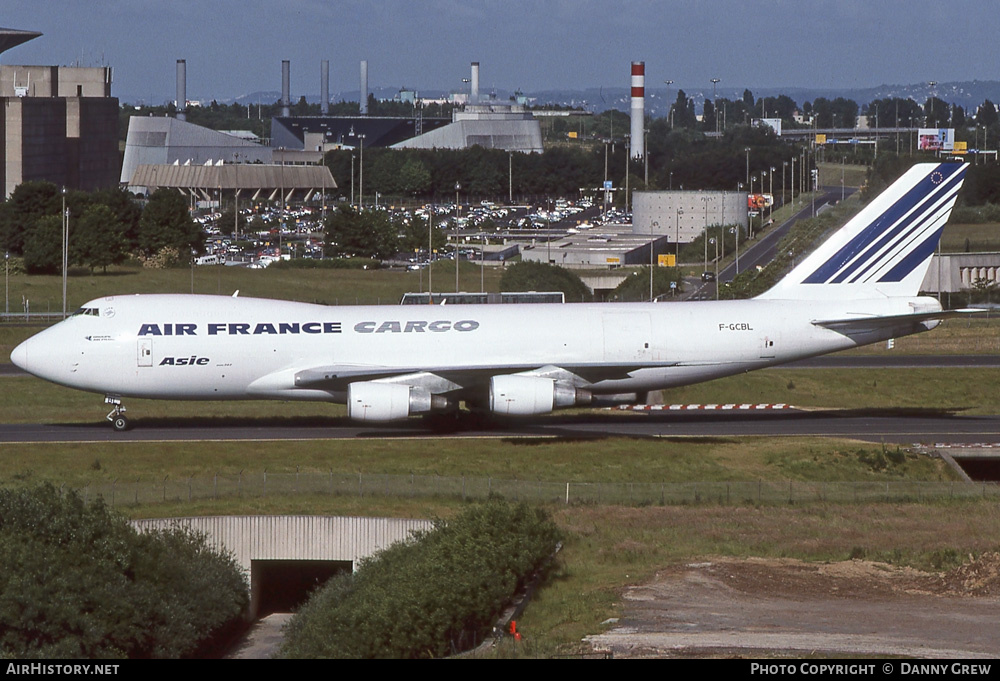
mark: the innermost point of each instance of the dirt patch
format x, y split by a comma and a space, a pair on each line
781, 607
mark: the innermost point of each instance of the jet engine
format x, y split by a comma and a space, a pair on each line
526, 395
372, 401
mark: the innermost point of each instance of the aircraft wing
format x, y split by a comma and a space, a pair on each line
445, 379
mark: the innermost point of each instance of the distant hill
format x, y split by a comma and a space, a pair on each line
968, 94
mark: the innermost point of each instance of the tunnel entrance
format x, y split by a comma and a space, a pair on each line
980, 468
284, 585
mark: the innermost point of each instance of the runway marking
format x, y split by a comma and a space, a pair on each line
702, 407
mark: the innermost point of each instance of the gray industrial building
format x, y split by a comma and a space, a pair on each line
954, 272
59, 124
165, 141
326, 132
492, 125
596, 248
253, 182
684, 215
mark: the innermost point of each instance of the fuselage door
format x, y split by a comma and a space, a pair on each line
627, 336
145, 352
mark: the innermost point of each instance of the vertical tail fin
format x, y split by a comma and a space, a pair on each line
886, 248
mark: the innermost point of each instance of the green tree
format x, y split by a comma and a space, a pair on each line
166, 223
126, 210
228, 221
43, 246
99, 239
365, 234
986, 114
822, 109
708, 116
414, 178
537, 276
414, 237
636, 287
27, 203
936, 113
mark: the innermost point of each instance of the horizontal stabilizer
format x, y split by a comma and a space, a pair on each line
865, 324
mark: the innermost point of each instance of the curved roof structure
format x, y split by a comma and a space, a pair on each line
255, 180
12, 37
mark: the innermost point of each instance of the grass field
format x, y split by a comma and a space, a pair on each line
830, 174
958, 238
606, 547
325, 286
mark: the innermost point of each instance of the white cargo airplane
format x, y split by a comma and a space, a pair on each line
390, 362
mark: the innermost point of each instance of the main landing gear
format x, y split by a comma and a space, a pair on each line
117, 414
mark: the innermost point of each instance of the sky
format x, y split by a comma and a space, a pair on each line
235, 47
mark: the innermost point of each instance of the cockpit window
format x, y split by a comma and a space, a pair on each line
87, 311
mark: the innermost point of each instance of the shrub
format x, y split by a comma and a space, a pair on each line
79, 582
429, 597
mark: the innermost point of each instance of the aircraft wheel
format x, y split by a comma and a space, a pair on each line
120, 423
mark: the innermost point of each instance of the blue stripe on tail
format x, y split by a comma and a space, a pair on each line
918, 200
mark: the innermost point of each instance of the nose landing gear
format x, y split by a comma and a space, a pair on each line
117, 414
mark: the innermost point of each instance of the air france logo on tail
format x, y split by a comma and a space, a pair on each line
902, 235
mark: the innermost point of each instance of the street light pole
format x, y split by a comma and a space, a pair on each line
651, 240
716, 270
65, 249
791, 182
458, 188
361, 171
669, 105
784, 165
510, 177
677, 238
715, 105
705, 200
430, 254
739, 189
770, 210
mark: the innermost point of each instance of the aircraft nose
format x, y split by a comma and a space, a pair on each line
20, 356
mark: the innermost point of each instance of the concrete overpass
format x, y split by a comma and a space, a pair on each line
287, 556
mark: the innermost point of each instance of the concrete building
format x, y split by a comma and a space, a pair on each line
683, 215
954, 272
164, 141
491, 125
60, 125
246, 181
482, 122
331, 132
596, 248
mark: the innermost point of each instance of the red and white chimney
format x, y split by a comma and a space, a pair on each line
638, 108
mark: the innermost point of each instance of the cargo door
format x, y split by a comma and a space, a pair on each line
627, 336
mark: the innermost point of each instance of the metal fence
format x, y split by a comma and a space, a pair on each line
259, 485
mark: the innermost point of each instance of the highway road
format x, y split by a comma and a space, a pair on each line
762, 251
